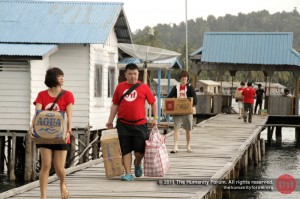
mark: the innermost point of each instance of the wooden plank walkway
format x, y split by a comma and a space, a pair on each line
217, 144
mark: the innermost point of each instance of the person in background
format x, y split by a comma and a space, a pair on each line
259, 98
239, 99
183, 90
249, 95
132, 122
54, 80
286, 93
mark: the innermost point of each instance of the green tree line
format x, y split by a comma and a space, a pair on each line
172, 37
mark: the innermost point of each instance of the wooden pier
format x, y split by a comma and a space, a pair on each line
223, 147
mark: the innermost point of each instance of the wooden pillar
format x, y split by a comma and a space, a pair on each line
258, 150
219, 194
270, 134
28, 158
250, 155
8, 154
263, 146
278, 135
81, 147
244, 163
2, 153
95, 148
71, 159
12, 175
297, 135
237, 169
87, 141
255, 153
296, 94
35, 159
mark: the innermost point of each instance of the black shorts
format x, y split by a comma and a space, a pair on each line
132, 137
53, 147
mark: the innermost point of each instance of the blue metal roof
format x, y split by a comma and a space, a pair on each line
173, 62
61, 22
30, 50
266, 48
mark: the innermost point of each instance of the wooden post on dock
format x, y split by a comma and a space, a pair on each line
72, 152
262, 146
255, 153
244, 163
87, 141
270, 134
278, 135
28, 158
258, 150
81, 147
95, 148
12, 175
2, 153
250, 155
297, 135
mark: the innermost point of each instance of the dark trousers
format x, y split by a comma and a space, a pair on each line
248, 107
258, 103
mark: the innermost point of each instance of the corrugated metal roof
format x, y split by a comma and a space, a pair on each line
167, 63
61, 22
26, 50
267, 48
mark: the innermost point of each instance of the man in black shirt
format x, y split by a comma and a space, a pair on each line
259, 98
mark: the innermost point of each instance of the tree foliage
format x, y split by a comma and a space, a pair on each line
172, 37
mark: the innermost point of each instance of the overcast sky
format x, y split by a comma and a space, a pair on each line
141, 13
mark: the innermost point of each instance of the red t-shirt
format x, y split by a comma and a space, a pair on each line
132, 107
240, 89
46, 101
249, 94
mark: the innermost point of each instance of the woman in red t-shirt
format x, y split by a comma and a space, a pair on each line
54, 80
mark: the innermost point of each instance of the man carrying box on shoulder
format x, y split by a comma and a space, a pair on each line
183, 90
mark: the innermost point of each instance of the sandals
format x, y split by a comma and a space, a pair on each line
189, 150
173, 151
138, 171
127, 177
65, 193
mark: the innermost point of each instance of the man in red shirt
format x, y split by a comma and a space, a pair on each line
249, 95
132, 123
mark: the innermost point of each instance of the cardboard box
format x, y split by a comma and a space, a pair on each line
178, 106
50, 127
263, 112
111, 153
238, 95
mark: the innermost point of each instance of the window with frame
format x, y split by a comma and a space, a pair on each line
98, 81
111, 81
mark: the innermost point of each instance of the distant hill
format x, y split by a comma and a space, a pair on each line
172, 37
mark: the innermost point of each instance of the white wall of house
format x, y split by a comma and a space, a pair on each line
38, 70
74, 61
106, 57
14, 95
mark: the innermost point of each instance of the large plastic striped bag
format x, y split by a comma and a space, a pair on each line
156, 159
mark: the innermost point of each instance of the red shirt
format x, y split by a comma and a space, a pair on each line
240, 89
132, 107
46, 101
249, 94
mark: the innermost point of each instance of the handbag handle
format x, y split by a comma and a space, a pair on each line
154, 135
57, 98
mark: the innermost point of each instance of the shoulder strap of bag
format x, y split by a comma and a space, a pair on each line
129, 91
57, 98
